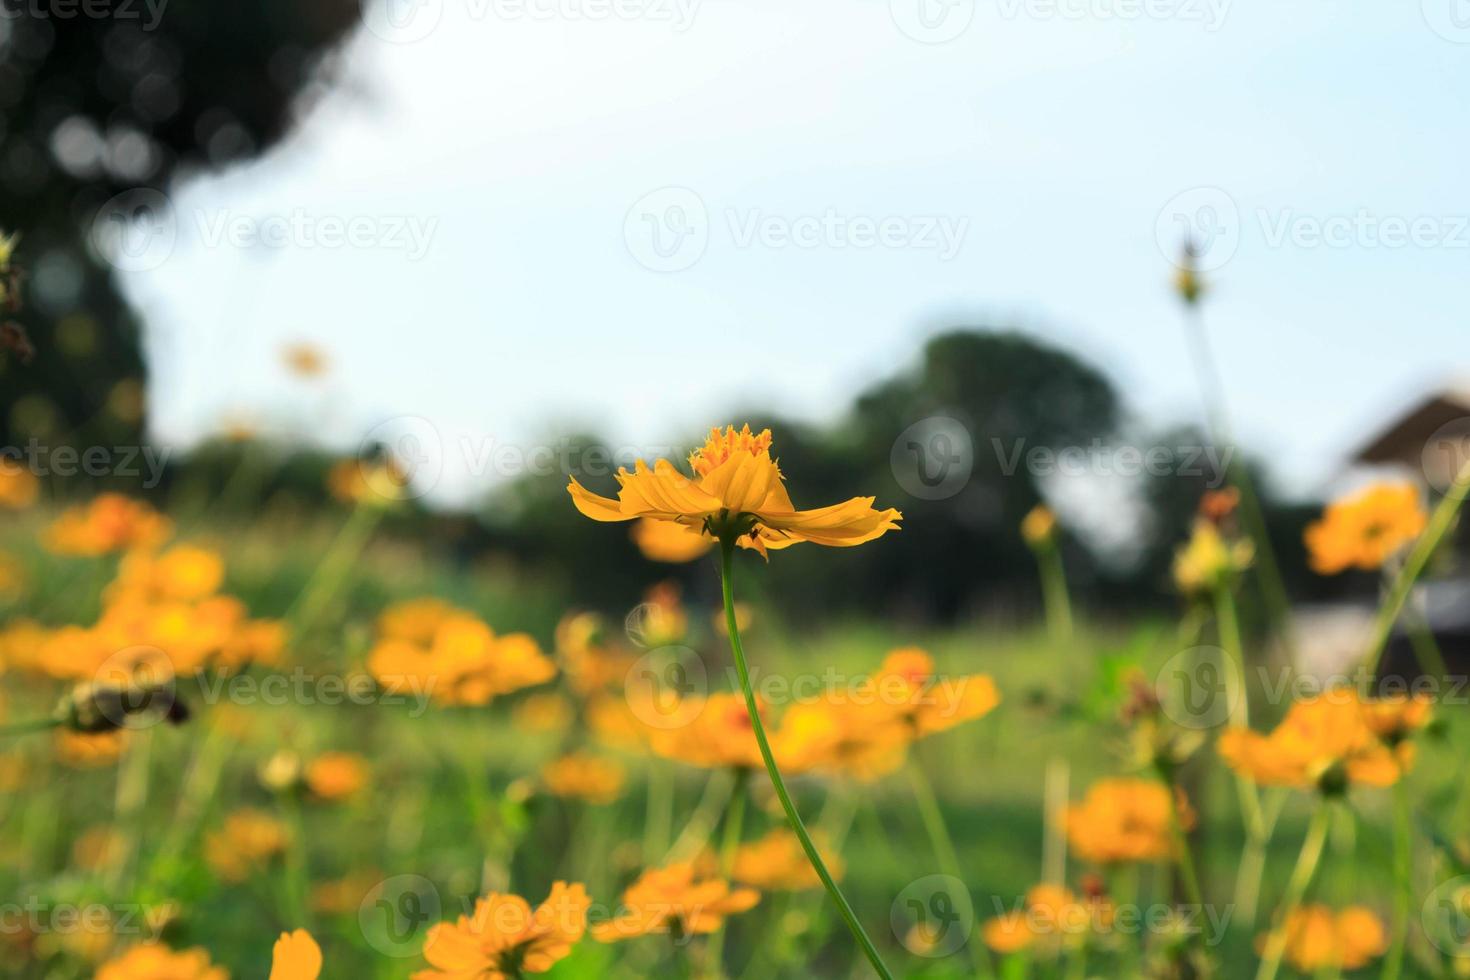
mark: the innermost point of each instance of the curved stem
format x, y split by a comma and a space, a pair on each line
727, 548
1398, 594
1296, 888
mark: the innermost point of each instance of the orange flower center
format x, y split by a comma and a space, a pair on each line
721, 446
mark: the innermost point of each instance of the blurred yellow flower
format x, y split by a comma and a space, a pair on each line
1317, 938
305, 360
584, 776
505, 938
1051, 914
415, 620
1209, 560
1328, 742
1124, 819
334, 776
186, 573
1039, 526
660, 620
717, 735
737, 488
296, 956
463, 662
670, 542
907, 681
153, 961
1009, 932
591, 661
110, 522
247, 840
777, 863
361, 481
861, 738
18, 485
1366, 529
343, 896
675, 899
81, 751
98, 848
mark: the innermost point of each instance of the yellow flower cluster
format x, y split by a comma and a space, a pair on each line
1051, 915
1331, 741
110, 522
1317, 938
1365, 529
585, 777
426, 646
676, 899
506, 938
777, 863
1125, 820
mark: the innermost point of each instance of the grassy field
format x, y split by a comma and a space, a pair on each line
454, 804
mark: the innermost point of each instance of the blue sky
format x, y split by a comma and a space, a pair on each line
507, 169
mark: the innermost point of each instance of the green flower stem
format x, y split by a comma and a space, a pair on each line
727, 549
939, 838
27, 727
729, 844
658, 811
1054, 595
1403, 856
1296, 888
1440, 524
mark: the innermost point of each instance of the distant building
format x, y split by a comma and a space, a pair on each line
1431, 438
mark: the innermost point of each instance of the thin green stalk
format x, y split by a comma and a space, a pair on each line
129, 802
1054, 595
27, 727
727, 549
1296, 889
729, 844
658, 818
1398, 593
1403, 854
1207, 370
939, 837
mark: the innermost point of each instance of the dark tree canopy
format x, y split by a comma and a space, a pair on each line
103, 98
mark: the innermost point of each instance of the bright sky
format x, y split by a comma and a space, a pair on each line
633, 214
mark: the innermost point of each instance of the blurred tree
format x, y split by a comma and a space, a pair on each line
124, 97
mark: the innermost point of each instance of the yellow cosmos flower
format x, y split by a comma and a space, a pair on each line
183, 573
19, 487
111, 522
1317, 938
859, 738
334, 776
669, 542
82, 751
1209, 560
361, 481
154, 961
1123, 820
1039, 526
1051, 915
719, 734
675, 899
247, 840
736, 489
415, 620
589, 657
540, 713
464, 662
1329, 742
660, 620
585, 777
296, 956
1366, 529
777, 863
505, 938
907, 681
